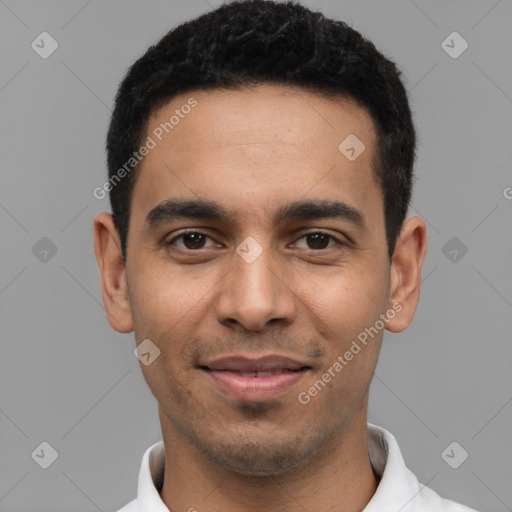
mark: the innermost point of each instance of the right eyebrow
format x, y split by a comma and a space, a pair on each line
172, 209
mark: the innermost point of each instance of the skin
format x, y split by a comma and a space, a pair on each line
254, 150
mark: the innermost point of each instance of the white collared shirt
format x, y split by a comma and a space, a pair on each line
398, 489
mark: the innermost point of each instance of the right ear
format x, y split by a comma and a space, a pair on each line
107, 248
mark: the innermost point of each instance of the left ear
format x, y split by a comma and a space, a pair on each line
405, 273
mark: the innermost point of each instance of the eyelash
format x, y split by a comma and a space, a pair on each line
180, 236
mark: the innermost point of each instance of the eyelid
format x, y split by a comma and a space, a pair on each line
337, 239
186, 232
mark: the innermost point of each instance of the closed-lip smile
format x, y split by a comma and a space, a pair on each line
250, 378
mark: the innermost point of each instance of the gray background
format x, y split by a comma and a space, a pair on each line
68, 379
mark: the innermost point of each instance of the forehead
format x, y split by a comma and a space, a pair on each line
256, 149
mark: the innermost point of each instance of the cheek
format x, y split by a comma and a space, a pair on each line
168, 309
168, 386
343, 314
164, 298
347, 303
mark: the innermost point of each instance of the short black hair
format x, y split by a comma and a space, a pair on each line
249, 42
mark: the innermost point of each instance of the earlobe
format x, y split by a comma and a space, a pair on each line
405, 272
107, 248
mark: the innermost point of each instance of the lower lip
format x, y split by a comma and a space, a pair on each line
255, 388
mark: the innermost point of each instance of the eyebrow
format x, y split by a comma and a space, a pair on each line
173, 209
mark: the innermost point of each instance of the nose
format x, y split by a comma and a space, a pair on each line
254, 294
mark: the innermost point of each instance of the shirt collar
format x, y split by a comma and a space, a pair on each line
151, 478
398, 488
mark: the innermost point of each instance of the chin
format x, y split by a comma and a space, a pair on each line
264, 457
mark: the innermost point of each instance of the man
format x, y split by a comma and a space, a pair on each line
260, 170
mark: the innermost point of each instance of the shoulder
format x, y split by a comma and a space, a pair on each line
399, 489
428, 499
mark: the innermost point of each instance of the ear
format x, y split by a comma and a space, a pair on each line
405, 273
107, 248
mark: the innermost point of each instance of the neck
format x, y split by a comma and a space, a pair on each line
339, 478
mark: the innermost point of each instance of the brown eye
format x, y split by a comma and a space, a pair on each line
318, 240
191, 240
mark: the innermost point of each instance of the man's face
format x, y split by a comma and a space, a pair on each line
252, 284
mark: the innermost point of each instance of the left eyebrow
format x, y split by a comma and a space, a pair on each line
172, 209
320, 209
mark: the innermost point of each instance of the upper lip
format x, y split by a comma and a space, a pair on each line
247, 364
